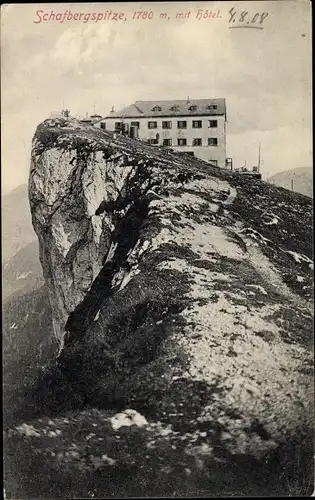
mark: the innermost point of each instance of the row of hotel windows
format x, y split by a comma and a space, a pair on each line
212, 141
168, 124
193, 107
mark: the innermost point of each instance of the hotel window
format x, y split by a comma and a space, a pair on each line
181, 124
153, 141
212, 141
157, 108
214, 162
181, 142
197, 124
103, 125
152, 124
212, 106
118, 126
167, 142
167, 124
174, 108
213, 123
193, 108
135, 124
197, 142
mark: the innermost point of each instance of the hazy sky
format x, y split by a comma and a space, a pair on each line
264, 74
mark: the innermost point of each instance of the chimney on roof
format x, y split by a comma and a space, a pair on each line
112, 110
187, 99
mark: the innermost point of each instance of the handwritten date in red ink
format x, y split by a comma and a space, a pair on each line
244, 19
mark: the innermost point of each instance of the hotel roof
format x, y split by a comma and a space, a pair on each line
191, 107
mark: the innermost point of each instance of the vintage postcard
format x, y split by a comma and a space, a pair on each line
157, 251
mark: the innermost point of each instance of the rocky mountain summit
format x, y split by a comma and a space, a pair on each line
181, 301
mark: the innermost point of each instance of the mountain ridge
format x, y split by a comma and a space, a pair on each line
302, 178
17, 229
181, 298
22, 272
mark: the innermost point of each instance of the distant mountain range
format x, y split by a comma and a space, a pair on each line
302, 180
27, 331
22, 273
17, 229
28, 344
21, 269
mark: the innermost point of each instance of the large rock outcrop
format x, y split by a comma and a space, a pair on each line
180, 291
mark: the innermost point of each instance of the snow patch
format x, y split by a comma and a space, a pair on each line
108, 460
128, 277
144, 247
273, 220
299, 257
111, 252
201, 279
128, 418
202, 239
252, 233
258, 287
28, 430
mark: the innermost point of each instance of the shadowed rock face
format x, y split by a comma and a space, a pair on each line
179, 291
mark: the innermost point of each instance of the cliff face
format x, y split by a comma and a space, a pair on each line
178, 290
67, 186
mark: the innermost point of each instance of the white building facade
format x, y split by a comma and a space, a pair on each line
191, 126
